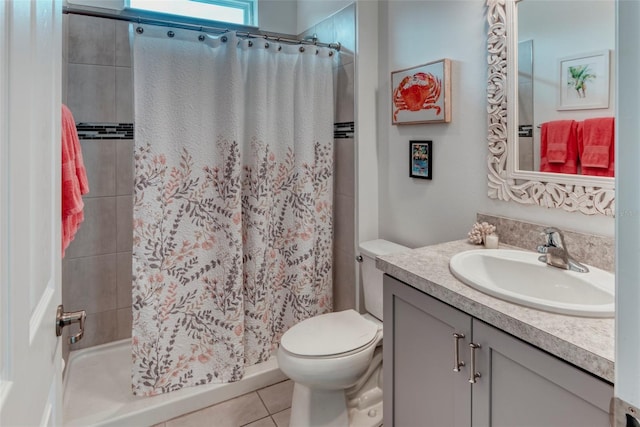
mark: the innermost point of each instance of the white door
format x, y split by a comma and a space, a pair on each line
30, 96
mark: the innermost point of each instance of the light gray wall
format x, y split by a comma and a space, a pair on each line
279, 16
418, 212
369, 47
312, 12
628, 206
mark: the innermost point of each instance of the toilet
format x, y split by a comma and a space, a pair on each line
335, 359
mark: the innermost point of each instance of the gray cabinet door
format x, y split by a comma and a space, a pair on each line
524, 386
420, 386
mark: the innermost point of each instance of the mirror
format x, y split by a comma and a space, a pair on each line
576, 38
514, 167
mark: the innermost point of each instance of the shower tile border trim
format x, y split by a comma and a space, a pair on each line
105, 130
343, 130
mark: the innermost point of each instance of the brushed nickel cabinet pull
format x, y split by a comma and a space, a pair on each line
457, 363
473, 375
64, 318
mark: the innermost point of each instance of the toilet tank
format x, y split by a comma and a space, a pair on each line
371, 276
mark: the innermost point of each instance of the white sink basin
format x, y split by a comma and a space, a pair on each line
519, 277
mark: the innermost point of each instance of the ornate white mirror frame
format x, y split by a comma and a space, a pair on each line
587, 194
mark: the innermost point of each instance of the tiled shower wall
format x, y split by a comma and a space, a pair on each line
97, 87
340, 27
96, 269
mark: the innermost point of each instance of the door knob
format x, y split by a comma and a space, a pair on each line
64, 318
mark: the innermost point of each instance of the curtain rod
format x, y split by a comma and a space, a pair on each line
124, 16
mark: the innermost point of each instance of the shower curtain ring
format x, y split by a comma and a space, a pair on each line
201, 37
139, 30
171, 34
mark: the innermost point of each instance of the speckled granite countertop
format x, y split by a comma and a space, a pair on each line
585, 342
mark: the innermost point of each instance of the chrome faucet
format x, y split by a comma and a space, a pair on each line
556, 254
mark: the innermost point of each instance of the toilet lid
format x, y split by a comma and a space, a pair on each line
329, 334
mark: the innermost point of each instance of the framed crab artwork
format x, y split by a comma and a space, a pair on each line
422, 94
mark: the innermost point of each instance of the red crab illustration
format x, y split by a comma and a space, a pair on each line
418, 92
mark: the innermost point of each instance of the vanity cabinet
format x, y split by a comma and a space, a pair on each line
427, 372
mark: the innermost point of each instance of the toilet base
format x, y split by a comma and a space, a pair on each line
318, 408
360, 406
364, 401
372, 416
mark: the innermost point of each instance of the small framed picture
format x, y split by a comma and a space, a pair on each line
584, 81
421, 94
420, 159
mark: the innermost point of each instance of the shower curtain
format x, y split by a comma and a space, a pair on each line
232, 202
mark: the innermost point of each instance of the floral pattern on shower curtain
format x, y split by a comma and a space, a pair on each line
232, 203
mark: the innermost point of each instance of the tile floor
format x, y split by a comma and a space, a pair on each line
267, 407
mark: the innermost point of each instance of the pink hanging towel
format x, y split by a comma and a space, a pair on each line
559, 147
596, 146
74, 179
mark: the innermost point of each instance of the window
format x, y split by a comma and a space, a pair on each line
242, 12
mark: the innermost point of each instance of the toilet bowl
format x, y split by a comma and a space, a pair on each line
335, 359
326, 356
322, 353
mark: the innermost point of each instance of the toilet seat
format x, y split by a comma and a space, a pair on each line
329, 335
